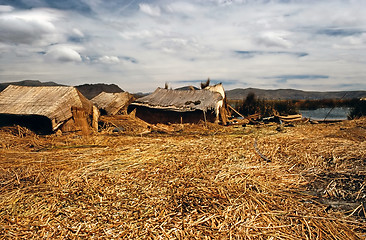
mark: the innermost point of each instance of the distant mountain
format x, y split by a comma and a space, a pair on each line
187, 88
140, 94
291, 94
30, 83
92, 90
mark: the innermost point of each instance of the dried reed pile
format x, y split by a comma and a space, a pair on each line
203, 183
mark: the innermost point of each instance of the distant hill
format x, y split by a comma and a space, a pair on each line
291, 94
187, 88
28, 83
92, 90
140, 94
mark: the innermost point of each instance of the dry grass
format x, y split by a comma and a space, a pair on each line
206, 182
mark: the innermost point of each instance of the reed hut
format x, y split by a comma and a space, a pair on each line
112, 103
47, 109
179, 106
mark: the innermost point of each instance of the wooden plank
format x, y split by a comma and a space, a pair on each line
290, 117
223, 115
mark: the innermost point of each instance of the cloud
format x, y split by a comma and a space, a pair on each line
359, 40
181, 8
109, 60
186, 48
29, 27
77, 33
142, 34
76, 36
351, 43
153, 11
274, 39
63, 54
6, 8
227, 2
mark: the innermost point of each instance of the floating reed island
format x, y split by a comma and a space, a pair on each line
204, 181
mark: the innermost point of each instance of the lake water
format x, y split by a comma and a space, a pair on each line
331, 114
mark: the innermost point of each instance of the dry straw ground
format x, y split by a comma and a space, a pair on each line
205, 182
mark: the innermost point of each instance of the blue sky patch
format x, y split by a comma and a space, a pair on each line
285, 78
251, 54
340, 32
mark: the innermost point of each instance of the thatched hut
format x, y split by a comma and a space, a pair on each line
179, 106
46, 109
112, 103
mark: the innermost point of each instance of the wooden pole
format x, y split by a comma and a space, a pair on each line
236, 111
95, 118
204, 115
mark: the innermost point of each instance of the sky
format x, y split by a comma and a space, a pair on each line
312, 45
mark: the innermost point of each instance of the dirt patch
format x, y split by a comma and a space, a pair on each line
356, 133
340, 192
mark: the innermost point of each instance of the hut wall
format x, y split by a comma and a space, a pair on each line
153, 115
36, 123
68, 126
80, 121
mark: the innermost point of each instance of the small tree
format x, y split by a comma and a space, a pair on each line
250, 105
358, 110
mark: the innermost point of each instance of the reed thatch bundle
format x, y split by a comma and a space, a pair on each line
203, 183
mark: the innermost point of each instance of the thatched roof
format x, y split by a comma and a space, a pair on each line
180, 100
217, 88
112, 103
53, 102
